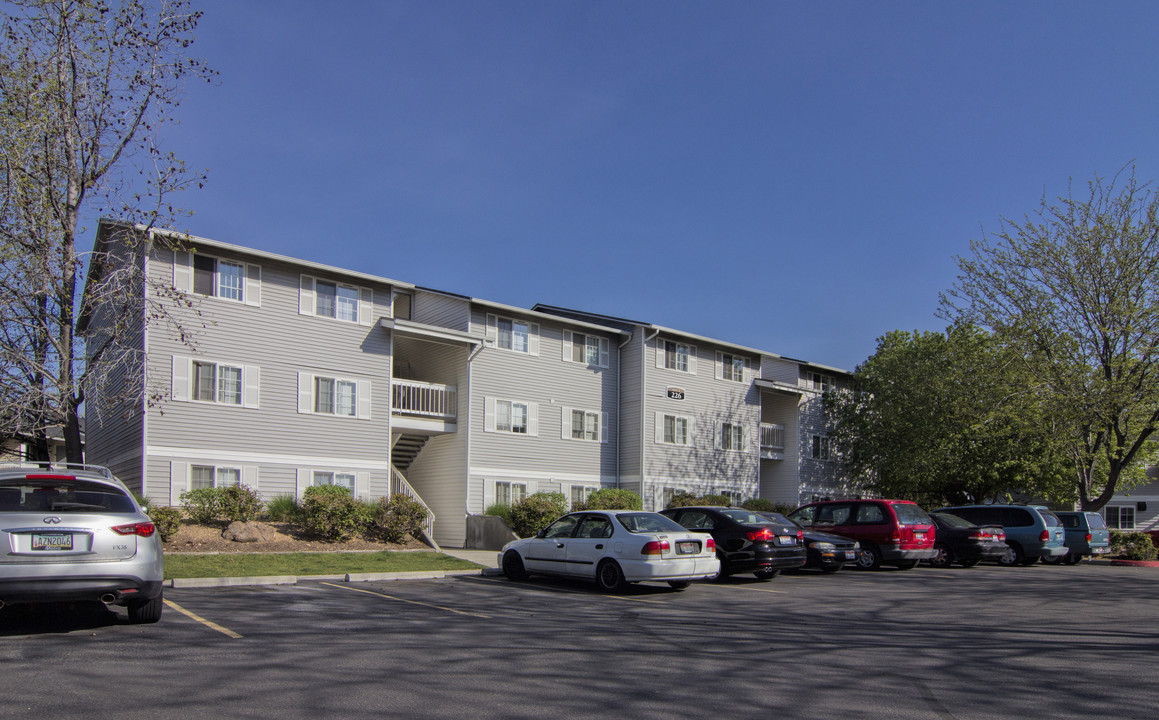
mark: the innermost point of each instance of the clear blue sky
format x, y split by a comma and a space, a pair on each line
795, 177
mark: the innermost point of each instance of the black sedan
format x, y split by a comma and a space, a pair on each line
746, 542
825, 551
961, 541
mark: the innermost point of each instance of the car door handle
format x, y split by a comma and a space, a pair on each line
600, 546
559, 545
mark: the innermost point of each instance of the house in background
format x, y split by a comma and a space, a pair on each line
298, 374
17, 449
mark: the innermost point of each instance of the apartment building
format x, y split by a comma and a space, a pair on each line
291, 373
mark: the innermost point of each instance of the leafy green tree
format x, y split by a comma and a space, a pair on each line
945, 418
1075, 288
85, 87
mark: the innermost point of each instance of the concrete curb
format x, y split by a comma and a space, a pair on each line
1136, 563
348, 577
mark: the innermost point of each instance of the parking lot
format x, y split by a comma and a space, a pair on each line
988, 642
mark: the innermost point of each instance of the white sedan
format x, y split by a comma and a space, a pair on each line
614, 548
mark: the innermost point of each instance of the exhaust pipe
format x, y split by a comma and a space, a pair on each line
108, 598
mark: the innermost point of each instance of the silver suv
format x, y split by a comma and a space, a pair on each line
74, 533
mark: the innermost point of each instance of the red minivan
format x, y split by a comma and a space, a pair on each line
890, 532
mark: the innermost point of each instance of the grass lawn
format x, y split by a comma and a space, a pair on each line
258, 564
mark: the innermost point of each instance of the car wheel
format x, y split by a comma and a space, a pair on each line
610, 577
146, 611
907, 564
766, 574
943, 556
969, 563
678, 584
869, 558
1012, 557
1054, 560
513, 566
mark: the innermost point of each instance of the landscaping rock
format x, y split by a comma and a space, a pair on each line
248, 532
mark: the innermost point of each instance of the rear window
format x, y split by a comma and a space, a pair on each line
62, 495
745, 517
952, 520
1050, 518
909, 514
1096, 521
647, 523
1069, 521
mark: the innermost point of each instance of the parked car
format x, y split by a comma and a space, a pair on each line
746, 542
961, 541
1086, 535
890, 532
77, 534
824, 551
614, 548
1032, 531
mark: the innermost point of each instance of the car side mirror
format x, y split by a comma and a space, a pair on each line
541, 533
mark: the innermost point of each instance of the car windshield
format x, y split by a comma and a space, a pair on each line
910, 514
62, 495
647, 523
745, 517
952, 520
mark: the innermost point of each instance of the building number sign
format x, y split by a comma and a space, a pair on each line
675, 393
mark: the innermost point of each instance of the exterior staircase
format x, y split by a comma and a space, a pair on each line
399, 485
406, 449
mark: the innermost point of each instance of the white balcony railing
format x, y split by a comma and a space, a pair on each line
412, 397
772, 440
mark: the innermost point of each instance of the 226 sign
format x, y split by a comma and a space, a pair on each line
675, 393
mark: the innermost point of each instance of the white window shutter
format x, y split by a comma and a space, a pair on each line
603, 427
251, 378
183, 271
691, 359
565, 424
748, 370
303, 479
178, 481
492, 329
533, 419
691, 432
567, 345
362, 485
253, 285
249, 476
659, 427
306, 296
365, 306
533, 339
719, 365
605, 354
718, 429
659, 354
364, 399
489, 414
180, 378
305, 392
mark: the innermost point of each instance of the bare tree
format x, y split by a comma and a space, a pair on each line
85, 87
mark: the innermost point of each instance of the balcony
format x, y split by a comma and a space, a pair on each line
772, 441
424, 400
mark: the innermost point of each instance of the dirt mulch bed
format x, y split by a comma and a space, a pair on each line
284, 538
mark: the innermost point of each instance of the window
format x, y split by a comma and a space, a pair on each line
213, 382
327, 395
1120, 517
328, 298
676, 356
734, 497
208, 476
342, 479
580, 495
820, 447
586, 349
667, 495
584, 425
731, 436
508, 493
821, 383
214, 277
673, 429
732, 367
514, 335
400, 306
510, 416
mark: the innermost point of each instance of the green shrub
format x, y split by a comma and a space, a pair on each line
141, 500
332, 512
613, 499
724, 500
683, 499
283, 508
398, 516
201, 505
1132, 545
766, 505
500, 509
167, 520
238, 502
535, 512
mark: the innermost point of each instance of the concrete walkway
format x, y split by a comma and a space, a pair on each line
486, 558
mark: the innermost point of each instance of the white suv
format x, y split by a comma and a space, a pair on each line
74, 533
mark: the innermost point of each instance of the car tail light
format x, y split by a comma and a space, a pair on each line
979, 535
800, 536
655, 547
1088, 537
1044, 536
758, 535
145, 529
50, 477
710, 545
895, 534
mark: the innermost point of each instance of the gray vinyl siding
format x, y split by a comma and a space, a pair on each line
441, 310
1148, 494
779, 480
279, 341
779, 370
631, 410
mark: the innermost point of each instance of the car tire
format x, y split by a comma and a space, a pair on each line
766, 574
869, 558
610, 577
1013, 556
906, 564
146, 611
513, 566
679, 584
943, 558
1055, 560
969, 563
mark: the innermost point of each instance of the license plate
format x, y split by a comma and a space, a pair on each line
1100, 550
687, 547
850, 555
786, 540
919, 534
53, 541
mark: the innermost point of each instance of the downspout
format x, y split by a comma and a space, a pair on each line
145, 373
620, 406
643, 405
467, 484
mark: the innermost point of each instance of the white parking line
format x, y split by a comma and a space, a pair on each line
203, 621
412, 602
564, 591
755, 589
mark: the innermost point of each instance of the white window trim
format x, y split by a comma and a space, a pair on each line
182, 472
826, 449
492, 334
305, 479
819, 381
251, 291
308, 299
660, 414
182, 382
661, 355
746, 373
1119, 515
745, 436
362, 395
566, 425
567, 488
489, 493
489, 417
604, 351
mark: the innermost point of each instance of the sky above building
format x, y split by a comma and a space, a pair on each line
791, 176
